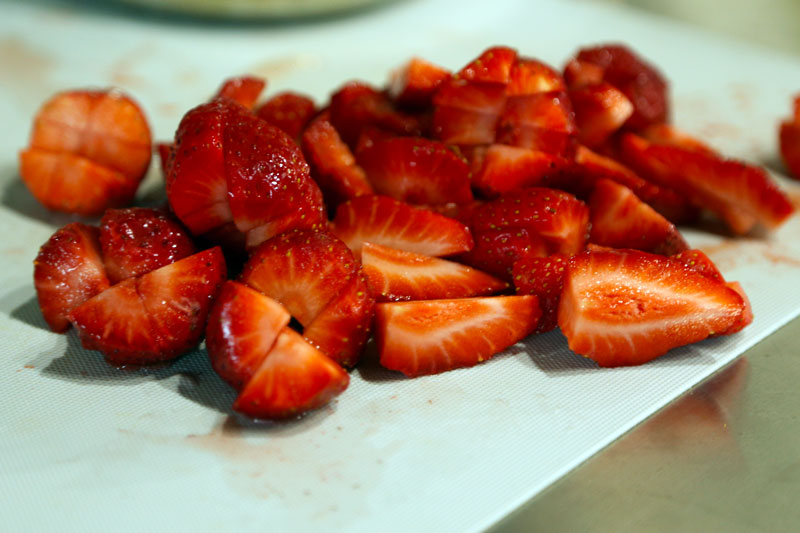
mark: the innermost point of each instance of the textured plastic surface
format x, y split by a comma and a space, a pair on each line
87, 447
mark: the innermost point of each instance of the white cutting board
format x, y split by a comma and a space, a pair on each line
86, 447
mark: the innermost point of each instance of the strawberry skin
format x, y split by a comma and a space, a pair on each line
155, 317
302, 269
294, 378
288, 111
628, 307
397, 275
433, 336
137, 240
68, 271
621, 220
242, 328
496, 251
544, 278
386, 221
244, 90
417, 171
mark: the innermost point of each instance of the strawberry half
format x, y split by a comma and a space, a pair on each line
493, 65
332, 163
288, 111
155, 317
417, 171
540, 121
466, 112
242, 328
386, 221
619, 219
628, 307
433, 336
294, 378
507, 168
396, 275
496, 250
244, 90
698, 261
137, 240
68, 271
789, 141
414, 84
544, 278
600, 110
268, 181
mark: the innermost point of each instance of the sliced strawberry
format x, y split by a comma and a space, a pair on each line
288, 111
68, 271
369, 136
556, 216
302, 269
433, 336
413, 85
789, 141
529, 76
544, 278
137, 240
196, 186
672, 136
73, 184
396, 275
342, 328
591, 167
332, 163
242, 328
244, 90
467, 112
747, 313
578, 74
641, 82
268, 179
493, 65
507, 168
619, 219
497, 250
741, 194
294, 378
383, 220
417, 171
540, 121
106, 127
628, 307
357, 105
698, 261
600, 110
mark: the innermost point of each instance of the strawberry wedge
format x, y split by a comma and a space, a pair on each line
434, 336
624, 308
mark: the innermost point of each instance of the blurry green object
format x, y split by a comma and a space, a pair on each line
254, 8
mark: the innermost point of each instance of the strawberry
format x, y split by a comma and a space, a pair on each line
466, 112
698, 261
628, 307
671, 136
638, 80
288, 111
302, 269
747, 313
507, 168
154, 317
413, 85
559, 218
197, 189
383, 220
244, 90
68, 271
741, 194
619, 219
591, 167
600, 110
165, 154
357, 105
579, 74
544, 278
342, 328
137, 240
433, 336
242, 328
540, 121
332, 163
497, 250
417, 171
294, 378
493, 65
529, 76
396, 275
268, 181
65, 182
789, 141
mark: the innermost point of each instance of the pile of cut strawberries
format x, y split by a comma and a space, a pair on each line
447, 216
